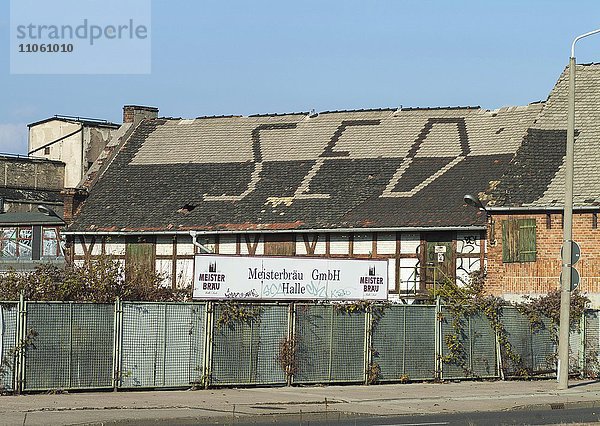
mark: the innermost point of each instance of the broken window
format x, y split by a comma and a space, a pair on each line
518, 240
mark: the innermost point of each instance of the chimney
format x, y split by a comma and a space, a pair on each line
136, 113
72, 198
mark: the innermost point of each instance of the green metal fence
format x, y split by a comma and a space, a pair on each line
330, 345
477, 339
533, 345
8, 340
404, 343
71, 346
161, 344
246, 351
590, 354
63, 345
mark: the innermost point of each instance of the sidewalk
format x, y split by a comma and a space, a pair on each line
223, 404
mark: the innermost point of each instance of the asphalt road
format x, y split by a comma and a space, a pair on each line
562, 416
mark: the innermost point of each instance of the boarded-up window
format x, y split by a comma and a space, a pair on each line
280, 244
140, 257
518, 240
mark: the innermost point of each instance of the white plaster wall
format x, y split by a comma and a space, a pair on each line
391, 274
464, 266
115, 245
79, 248
164, 245
339, 244
164, 268
185, 272
386, 243
409, 279
260, 248
468, 242
185, 247
363, 243
67, 150
320, 248
227, 244
409, 242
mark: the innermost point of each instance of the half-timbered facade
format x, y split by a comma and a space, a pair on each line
359, 184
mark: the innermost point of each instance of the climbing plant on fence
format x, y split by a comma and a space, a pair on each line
463, 303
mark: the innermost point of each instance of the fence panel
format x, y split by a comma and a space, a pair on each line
478, 339
8, 341
535, 347
246, 351
72, 346
403, 343
162, 344
591, 356
330, 345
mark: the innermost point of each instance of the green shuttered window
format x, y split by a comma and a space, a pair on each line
518, 240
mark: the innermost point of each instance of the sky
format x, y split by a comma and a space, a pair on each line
245, 57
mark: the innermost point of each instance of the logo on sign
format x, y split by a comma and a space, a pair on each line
211, 280
372, 281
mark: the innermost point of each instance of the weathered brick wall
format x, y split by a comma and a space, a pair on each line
542, 275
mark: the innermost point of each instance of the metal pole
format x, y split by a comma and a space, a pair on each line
565, 285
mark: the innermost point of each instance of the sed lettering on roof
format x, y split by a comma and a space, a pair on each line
331, 153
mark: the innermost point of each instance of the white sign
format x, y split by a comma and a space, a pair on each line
440, 249
440, 257
289, 278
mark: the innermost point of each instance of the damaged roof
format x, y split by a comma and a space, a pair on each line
536, 175
340, 169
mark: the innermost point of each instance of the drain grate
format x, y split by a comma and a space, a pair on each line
557, 406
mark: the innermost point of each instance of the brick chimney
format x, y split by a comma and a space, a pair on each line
72, 198
136, 113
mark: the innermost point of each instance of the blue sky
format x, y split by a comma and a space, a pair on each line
245, 57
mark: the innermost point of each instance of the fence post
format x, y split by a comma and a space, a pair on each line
291, 335
208, 337
583, 349
117, 344
19, 357
438, 339
367, 344
499, 363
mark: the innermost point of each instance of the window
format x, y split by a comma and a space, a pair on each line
29, 242
518, 240
16, 242
50, 242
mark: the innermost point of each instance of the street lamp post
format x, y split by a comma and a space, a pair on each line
566, 283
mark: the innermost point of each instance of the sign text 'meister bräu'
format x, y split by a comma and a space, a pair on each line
289, 278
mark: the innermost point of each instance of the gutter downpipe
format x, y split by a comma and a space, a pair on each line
202, 247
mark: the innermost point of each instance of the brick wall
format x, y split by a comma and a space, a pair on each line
542, 275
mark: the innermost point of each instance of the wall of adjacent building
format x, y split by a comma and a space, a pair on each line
20, 176
78, 151
513, 280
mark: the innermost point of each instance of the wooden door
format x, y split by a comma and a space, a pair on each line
140, 257
440, 258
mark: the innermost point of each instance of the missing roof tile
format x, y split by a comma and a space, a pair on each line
186, 209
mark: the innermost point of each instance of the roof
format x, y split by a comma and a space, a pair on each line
28, 218
31, 195
536, 176
341, 169
89, 122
